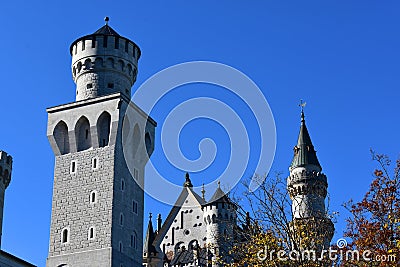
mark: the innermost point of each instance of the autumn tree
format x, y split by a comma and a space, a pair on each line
374, 225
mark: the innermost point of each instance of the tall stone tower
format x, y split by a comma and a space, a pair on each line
5, 176
97, 207
307, 186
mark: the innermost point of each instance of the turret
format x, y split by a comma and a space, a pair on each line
5, 175
307, 187
220, 218
103, 63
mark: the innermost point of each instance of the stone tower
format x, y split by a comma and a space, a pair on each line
307, 186
97, 206
220, 218
5, 176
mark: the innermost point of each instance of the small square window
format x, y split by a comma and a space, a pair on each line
89, 85
110, 85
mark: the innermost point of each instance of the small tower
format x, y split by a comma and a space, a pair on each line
220, 218
104, 63
98, 198
5, 175
307, 186
151, 257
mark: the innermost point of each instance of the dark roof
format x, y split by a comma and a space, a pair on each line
14, 259
106, 30
219, 196
187, 256
148, 246
304, 152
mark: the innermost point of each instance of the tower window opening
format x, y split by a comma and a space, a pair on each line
110, 85
120, 246
116, 43
64, 236
135, 241
94, 163
135, 174
94, 42
131, 240
91, 233
134, 207
105, 41
121, 219
83, 44
126, 46
93, 198
122, 185
89, 85
73, 167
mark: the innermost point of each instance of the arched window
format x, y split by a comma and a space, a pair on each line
98, 63
60, 134
147, 141
82, 134
135, 241
103, 129
65, 235
88, 64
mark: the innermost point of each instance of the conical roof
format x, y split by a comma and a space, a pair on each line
149, 239
304, 152
219, 196
106, 30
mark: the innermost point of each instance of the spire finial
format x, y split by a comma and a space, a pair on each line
106, 19
302, 105
203, 192
219, 184
187, 183
150, 216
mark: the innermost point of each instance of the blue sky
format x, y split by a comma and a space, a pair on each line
342, 57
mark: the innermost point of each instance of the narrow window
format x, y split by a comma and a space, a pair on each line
126, 46
105, 41
122, 185
120, 246
93, 197
91, 234
64, 236
132, 240
135, 240
134, 207
116, 43
121, 219
73, 167
83, 44
94, 163
93, 41
135, 173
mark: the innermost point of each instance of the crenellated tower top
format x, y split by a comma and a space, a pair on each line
104, 63
5, 168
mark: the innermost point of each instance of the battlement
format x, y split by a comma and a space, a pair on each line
104, 63
5, 159
5, 168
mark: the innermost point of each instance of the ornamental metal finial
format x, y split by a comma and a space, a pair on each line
106, 19
302, 105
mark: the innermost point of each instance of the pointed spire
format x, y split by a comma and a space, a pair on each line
187, 183
304, 152
150, 236
159, 223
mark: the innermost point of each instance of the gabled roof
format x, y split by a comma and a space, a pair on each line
186, 192
304, 152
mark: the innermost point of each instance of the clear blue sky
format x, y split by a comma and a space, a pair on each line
342, 57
